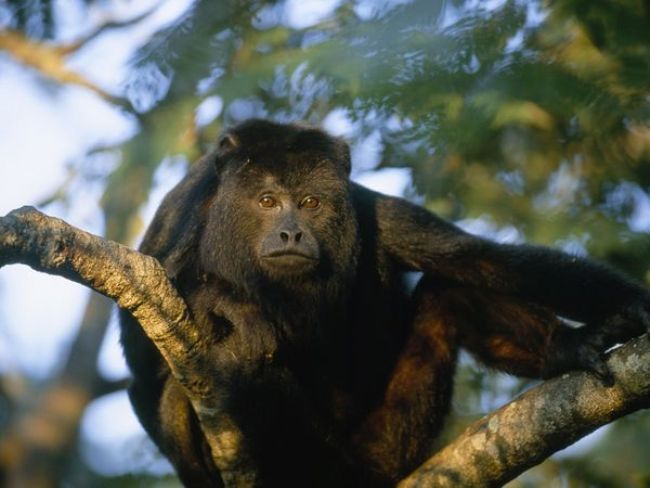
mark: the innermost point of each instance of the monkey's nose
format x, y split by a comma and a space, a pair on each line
290, 237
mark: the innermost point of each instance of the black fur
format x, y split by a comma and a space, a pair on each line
335, 373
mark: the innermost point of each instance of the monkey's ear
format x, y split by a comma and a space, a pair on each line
226, 147
228, 143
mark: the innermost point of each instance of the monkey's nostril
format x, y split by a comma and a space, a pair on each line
284, 236
298, 236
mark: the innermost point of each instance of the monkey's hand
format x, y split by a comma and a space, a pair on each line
638, 312
585, 347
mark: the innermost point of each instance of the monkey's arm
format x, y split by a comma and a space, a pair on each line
174, 230
613, 307
572, 286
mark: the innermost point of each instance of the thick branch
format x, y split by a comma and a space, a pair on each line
139, 284
547, 418
50, 62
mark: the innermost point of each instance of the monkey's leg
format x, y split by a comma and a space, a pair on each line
181, 440
501, 331
396, 436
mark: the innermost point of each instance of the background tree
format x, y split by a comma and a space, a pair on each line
519, 119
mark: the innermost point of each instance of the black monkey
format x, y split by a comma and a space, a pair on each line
337, 375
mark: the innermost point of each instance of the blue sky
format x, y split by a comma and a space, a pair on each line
45, 130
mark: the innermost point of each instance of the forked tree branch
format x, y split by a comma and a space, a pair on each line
492, 451
139, 284
545, 419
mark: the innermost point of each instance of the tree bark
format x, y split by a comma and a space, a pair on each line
139, 284
545, 419
489, 453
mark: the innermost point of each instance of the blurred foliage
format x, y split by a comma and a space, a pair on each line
535, 116
529, 115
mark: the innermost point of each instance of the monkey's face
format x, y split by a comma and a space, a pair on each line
289, 218
281, 216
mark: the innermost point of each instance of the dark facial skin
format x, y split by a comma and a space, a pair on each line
288, 216
289, 246
284, 222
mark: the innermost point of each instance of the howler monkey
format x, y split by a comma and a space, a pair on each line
335, 372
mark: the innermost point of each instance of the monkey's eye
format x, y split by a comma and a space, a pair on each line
310, 202
267, 202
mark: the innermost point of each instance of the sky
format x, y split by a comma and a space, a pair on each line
46, 130
49, 129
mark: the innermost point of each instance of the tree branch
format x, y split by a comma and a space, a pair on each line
107, 25
136, 282
139, 284
50, 62
545, 419
492, 451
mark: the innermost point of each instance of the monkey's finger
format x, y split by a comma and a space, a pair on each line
645, 317
597, 365
640, 312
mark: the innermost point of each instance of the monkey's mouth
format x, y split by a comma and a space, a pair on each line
288, 255
290, 259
